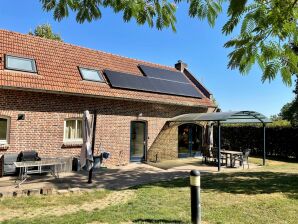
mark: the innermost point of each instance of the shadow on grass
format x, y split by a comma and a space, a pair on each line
279, 159
241, 183
156, 221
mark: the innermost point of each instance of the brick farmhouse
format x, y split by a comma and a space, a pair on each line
46, 85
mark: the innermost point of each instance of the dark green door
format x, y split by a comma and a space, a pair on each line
189, 140
138, 140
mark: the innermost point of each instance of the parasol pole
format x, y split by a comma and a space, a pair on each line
93, 144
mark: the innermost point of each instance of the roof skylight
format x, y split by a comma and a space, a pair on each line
20, 63
91, 74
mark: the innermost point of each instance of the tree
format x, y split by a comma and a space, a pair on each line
45, 31
268, 27
275, 117
278, 121
290, 110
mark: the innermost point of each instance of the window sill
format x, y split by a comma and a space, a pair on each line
4, 146
72, 145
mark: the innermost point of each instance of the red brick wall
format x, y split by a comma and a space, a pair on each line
42, 129
165, 145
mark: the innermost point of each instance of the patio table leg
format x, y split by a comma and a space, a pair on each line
23, 176
230, 163
19, 178
54, 171
57, 171
231, 160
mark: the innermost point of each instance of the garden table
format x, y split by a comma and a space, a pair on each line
53, 166
231, 155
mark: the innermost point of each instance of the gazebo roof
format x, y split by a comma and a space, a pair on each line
224, 117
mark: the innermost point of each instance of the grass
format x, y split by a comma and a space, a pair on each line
265, 195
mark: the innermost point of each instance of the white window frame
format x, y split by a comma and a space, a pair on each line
91, 69
6, 142
74, 140
34, 70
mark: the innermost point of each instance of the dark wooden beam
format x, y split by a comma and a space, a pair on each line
93, 144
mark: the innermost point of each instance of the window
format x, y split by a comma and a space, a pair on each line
20, 64
4, 130
91, 75
73, 130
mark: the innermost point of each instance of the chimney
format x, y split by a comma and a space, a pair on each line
180, 65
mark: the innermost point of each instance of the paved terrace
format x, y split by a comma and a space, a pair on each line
115, 177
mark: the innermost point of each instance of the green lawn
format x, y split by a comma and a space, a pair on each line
265, 195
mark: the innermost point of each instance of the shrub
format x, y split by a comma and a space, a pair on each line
281, 142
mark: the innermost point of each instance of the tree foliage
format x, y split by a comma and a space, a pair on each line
45, 31
268, 28
158, 13
278, 121
290, 110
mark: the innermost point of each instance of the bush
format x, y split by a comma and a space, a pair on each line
281, 142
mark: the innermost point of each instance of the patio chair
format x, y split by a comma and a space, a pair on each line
214, 151
244, 158
206, 154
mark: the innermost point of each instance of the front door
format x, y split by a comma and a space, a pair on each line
138, 141
189, 140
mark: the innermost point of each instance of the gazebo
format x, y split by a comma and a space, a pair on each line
224, 118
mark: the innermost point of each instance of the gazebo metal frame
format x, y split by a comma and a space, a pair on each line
227, 118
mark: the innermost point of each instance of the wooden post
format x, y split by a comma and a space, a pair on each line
93, 144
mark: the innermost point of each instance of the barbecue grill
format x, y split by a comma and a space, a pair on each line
28, 156
9, 159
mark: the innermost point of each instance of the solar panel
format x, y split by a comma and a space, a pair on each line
128, 81
159, 73
174, 88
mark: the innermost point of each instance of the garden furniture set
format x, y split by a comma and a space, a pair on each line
227, 157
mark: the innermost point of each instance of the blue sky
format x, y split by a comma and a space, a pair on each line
200, 46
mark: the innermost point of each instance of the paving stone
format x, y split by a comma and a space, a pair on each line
34, 192
25, 192
46, 191
62, 191
75, 190
88, 190
5, 194
17, 193
50, 191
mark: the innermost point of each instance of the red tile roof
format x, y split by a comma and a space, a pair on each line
57, 64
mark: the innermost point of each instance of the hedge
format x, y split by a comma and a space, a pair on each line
281, 142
